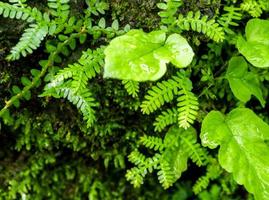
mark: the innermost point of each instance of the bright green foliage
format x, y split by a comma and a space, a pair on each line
230, 18
256, 46
243, 83
145, 55
167, 117
164, 92
213, 172
171, 158
187, 106
255, 7
29, 41
132, 87
50, 151
241, 136
169, 9
76, 77
201, 24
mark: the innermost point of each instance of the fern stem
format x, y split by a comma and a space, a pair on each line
34, 82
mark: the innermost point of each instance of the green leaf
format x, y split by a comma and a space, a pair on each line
241, 136
143, 56
256, 48
243, 83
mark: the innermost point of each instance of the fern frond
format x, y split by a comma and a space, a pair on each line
137, 174
201, 184
167, 117
87, 67
165, 174
137, 158
152, 142
24, 13
19, 3
254, 8
163, 92
213, 172
194, 150
82, 99
132, 87
194, 21
228, 19
29, 41
187, 108
59, 7
169, 9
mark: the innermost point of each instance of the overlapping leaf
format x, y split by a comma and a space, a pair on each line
241, 136
243, 83
143, 56
256, 48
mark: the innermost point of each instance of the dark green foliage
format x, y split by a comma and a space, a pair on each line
68, 133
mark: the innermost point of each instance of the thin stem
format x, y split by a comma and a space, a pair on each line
34, 82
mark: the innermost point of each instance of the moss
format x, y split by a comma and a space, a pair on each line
137, 13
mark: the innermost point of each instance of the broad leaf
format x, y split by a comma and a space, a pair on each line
143, 56
243, 83
241, 136
177, 156
256, 48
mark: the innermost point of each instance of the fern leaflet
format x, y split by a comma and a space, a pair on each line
197, 154
194, 21
132, 87
29, 41
152, 142
187, 108
167, 117
165, 174
228, 19
169, 9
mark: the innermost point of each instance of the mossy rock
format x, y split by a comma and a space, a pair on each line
137, 13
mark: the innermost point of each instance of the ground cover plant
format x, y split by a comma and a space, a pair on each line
121, 99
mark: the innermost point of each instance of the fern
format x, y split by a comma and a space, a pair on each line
255, 8
19, 3
167, 117
228, 19
169, 9
59, 8
137, 174
163, 92
170, 159
213, 172
152, 142
33, 35
194, 21
132, 87
71, 83
82, 99
194, 150
24, 13
136, 158
187, 108
165, 174
29, 41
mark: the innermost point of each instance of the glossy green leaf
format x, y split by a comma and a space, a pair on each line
243, 152
243, 83
256, 46
143, 56
176, 156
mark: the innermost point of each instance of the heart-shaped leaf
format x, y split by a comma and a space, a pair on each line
256, 47
243, 83
141, 56
241, 136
